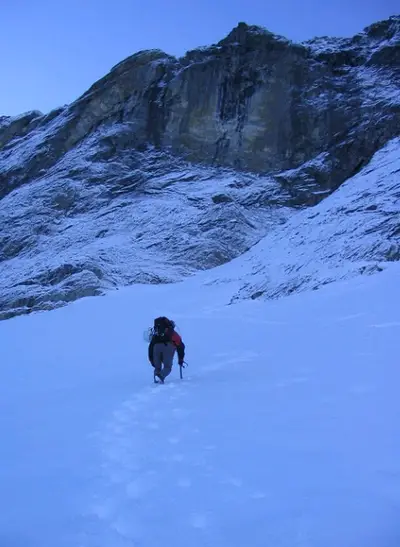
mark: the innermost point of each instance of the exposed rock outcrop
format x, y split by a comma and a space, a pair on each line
167, 165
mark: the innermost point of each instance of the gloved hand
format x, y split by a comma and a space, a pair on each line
181, 362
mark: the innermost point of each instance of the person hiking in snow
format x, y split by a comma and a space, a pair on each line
163, 344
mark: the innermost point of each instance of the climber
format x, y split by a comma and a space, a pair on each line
163, 344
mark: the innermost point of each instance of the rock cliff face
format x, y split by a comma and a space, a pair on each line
169, 165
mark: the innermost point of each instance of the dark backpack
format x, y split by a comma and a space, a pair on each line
163, 328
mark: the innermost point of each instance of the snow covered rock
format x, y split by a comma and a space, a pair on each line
354, 231
254, 101
90, 225
166, 166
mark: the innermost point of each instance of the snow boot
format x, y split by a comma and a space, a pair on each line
160, 378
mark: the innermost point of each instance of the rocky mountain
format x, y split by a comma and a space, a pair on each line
166, 166
355, 231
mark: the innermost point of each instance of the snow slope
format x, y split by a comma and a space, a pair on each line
354, 231
284, 431
141, 218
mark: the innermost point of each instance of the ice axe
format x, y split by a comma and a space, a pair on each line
183, 365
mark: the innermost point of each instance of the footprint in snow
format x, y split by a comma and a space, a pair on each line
361, 389
140, 486
184, 482
173, 440
177, 458
258, 496
199, 520
234, 481
291, 381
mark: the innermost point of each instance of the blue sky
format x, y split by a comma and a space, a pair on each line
52, 51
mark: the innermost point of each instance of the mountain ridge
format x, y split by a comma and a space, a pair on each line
225, 141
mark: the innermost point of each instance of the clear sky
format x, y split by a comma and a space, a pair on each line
51, 51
